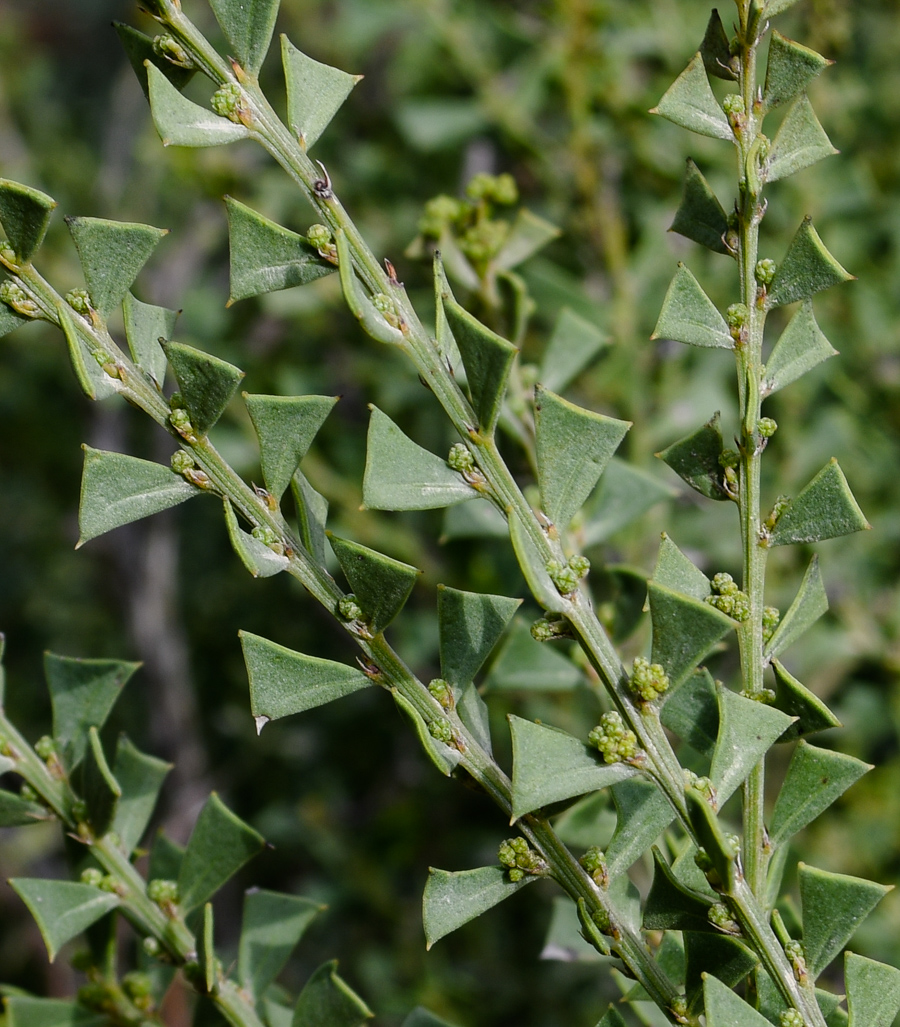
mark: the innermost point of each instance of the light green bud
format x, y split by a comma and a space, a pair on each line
594, 863
648, 680
542, 630
496, 188
27, 793
168, 47
45, 747
442, 691
771, 615
442, 731
319, 236
80, 301
703, 785
79, 810
766, 427
737, 316
520, 859
349, 608
482, 242
613, 739
162, 892
724, 584
579, 565
13, 295
440, 212
765, 271
228, 102
720, 917
181, 462
109, 883
92, 876
137, 985
729, 458
460, 458
733, 104
180, 420
791, 1018
151, 946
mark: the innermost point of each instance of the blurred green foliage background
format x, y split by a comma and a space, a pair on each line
557, 93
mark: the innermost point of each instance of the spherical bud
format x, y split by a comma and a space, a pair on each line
542, 630
771, 615
740, 609
720, 917
170, 49
263, 533
703, 861
579, 565
137, 985
680, 1009
92, 876
724, 584
349, 608
440, 212
766, 427
97, 996
737, 316
45, 747
520, 859
80, 301
460, 458
613, 740
733, 104
27, 793
442, 691
12, 294
319, 236
228, 102
733, 845
648, 680
151, 946
724, 603
703, 785
162, 892
7, 254
791, 1018
765, 271
181, 462
180, 420
110, 884
441, 731
594, 863
729, 458
481, 242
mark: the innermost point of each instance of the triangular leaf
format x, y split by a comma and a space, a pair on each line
381, 585
574, 446
684, 631
625, 493
62, 909
312, 514
401, 475
715, 50
695, 458
328, 1001
470, 625
264, 257
642, 814
18, 812
479, 519
372, 320
790, 69
873, 991
715, 957
808, 606
100, 789
815, 778
180, 122
675, 571
799, 349
443, 755
255, 555
285, 427
700, 216
220, 844
670, 906
117, 489
82, 692
527, 665
533, 565
453, 899
528, 234
613, 1018
248, 26
799, 143
25, 1011
726, 1009
272, 925
10, 320
825, 508
688, 315
206, 383
550, 765
421, 1017
690, 102
315, 92
833, 906
474, 713
145, 325
692, 712
283, 682
574, 343
793, 698
139, 51
807, 268
24, 216
140, 778
94, 381
165, 858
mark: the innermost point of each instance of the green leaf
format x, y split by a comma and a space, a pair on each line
700, 216
793, 698
180, 122
94, 381
256, 556
453, 899
401, 475
528, 234
205, 382
790, 69
574, 343
165, 858
688, 315
328, 1001
684, 630
726, 1009
248, 26
445, 757
82, 692
479, 519
642, 813
825, 508
833, 906
145, 325
470, 625
357, 299
565, 939
264, 257
117, 489
10, 320
111, 254
799, 349
283, 682
25, 1011
381, 585
695, 458
312, 514
807, 268
140, 777
487, 358
473, 712
522, 664
18, 812
574, 446
873, 991
690, 103
139, 51
220, 844
273, 923
815, 778
624, 493
715, 957
101, 790
533, 565
613, 1018
709, 834
747, 730
315, 92
715, 50
692, 712
671, 906
800, 142
808, 606
774, 7
675, 571
421, 1017
550, 765
285, 427
24, 216
62, 909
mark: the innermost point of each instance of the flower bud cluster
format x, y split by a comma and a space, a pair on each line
164, 893
703, 785
13, 295
794, 951
545, 630
765, 271
460, 458
228, 102
792, 1018
771, 615
80, 301
442, 731
728, 598
442, 691
614, 741
720, 917
566, 576
594, 863
320, 237
349, 608
520, 859
170, 49
648, 680
269, 538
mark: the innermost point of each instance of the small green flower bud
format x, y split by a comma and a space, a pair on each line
579, 565
771, 615
766, 427
137, 985
442, 691
481, 242
496, 188
765, 271
440, 212
319, 236
733, 104
566, 576
740, 609
737, 316
110, 884
441, 731
791, 1018
180, 420
703, 861
781, 504
733, 844
92, 876
12, 294
506, 192
151, 946
720, 917
45, 747
97, 996
181, 462
264, 534
615, 742
228, 102
724, 584
79, 810
764, 695
349, 608
162, 892
27, 793
199, 478
382, 303
460, 458
703, 785
724, 603
7, 254
729, 458
680, 1009
168, 47
648, 680
542, 630
520, 858
594, 863
80, 301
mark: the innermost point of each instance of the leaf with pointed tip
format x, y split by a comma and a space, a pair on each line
401, 475
372, 321
328, 1001
808, 606
140, 777
793, 698
833, 906
573, 344
624, 493
690, 103
470, 625
453, 899
94, 381
670, 905
18, 812
692, 712
534, 567
688, 315
284, 682
799, 143
421, 1017
684, 630
574, 446
312, 514
24, 216
550, 765
807, 268
564, 940
82, 692
220, 844
716, 957
248, 26
272, 925
747, 730
25, 1011
675, 571
715, 50
256, 556
825, 508
445, 757
381, 585
62, 909
815, 778
117, 489
528, 234
790, 69
265, 257
642, 814
700, 216
726, 1009
873, 991
180, 122
315, 92
140, 53
100, 789
473, 712
526, 665
145, 325
613, 1018
205, 382
695, 458
801, 346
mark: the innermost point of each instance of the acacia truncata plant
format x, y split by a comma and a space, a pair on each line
712, 942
